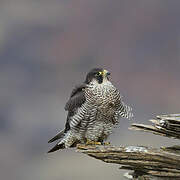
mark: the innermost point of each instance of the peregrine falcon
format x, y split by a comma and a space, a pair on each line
94, 107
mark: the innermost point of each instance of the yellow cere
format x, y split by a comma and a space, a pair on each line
105, 72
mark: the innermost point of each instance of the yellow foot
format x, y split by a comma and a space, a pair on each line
89, 142
106, 143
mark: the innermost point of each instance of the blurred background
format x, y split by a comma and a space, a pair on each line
47, 47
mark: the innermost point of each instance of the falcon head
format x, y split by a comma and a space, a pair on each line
97, 74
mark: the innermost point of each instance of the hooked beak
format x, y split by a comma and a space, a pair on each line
106, 73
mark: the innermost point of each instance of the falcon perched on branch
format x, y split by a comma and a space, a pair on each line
93, 108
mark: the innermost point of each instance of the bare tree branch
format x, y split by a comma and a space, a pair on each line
143, 160
164, 125
147, 163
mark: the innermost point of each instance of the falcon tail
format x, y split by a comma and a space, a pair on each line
59, 135
57, 147
61, 145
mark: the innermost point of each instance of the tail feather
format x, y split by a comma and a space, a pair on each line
59, 135
57, 147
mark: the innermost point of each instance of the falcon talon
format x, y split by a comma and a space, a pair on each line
107, 143
94, 108
97, 143
93, 143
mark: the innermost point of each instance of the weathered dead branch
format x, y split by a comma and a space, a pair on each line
164, 125
147, 163
143, 160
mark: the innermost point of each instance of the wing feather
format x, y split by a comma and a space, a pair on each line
77, 98
75, 101
125, 111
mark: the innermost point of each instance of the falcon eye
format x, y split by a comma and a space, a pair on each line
98, 73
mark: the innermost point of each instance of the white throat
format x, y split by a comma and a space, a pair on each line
105, 82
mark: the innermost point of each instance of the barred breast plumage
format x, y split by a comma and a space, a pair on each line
105, 99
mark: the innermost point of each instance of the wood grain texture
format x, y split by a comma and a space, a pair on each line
163, 125
143, 160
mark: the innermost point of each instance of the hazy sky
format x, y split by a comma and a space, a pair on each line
47, 47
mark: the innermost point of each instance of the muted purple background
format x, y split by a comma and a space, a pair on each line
46, 47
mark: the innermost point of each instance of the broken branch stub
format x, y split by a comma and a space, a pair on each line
164, 125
